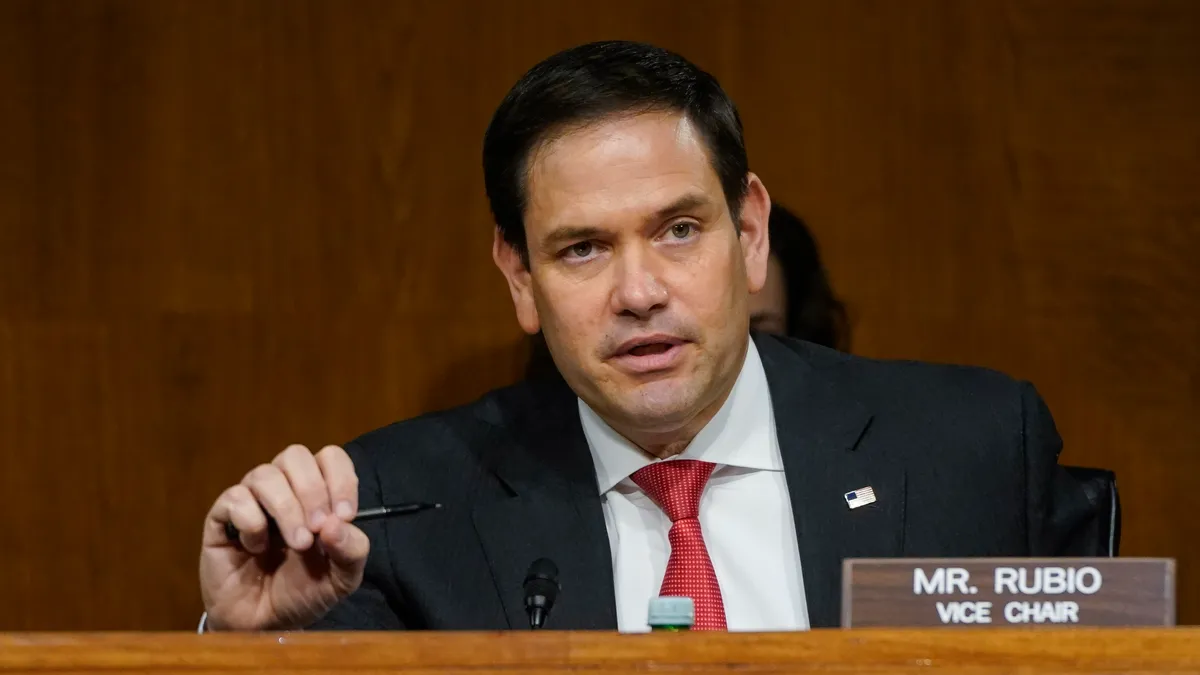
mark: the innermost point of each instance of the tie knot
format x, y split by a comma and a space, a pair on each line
675, 486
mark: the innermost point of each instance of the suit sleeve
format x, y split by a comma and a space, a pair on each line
1057, 507
371, 607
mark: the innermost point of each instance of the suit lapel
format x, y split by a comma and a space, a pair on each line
819, 422
553, 512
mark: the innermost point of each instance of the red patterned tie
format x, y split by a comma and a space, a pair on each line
676, 487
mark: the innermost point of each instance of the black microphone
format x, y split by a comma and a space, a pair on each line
541, 590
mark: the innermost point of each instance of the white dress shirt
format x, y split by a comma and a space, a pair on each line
745, 513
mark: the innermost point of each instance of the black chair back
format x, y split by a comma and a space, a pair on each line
1094, 522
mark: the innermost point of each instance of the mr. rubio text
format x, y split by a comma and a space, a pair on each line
1036, 581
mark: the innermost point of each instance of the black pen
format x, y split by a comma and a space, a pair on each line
232, 534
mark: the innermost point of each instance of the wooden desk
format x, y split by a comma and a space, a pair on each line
973, 651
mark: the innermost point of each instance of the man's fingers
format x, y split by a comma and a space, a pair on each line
347, 548
302, 472
248, 517
272, 489
341, 479
237, 505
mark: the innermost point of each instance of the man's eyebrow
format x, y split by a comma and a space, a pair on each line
688, 202
567, 233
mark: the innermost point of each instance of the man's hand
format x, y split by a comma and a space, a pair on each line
259, 583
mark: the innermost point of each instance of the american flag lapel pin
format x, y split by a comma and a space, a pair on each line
860, 497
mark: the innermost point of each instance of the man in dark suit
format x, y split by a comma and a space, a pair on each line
677, 454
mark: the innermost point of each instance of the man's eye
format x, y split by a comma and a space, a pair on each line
581, 250
682, 230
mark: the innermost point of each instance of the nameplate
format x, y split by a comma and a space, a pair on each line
981, 592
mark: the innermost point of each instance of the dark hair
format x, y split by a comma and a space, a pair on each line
592, 81
814, 313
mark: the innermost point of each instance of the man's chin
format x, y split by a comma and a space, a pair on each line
662, 405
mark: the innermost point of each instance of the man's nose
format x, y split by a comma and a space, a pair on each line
639, 290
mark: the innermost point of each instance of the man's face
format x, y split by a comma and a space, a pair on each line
637, 275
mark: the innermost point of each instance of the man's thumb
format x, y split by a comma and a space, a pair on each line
347, 548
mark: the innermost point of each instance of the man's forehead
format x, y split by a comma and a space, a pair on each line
635, 165
651, 137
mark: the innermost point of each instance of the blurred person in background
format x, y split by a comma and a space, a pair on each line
798, 300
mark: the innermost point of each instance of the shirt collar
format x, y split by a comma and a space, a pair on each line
740, 434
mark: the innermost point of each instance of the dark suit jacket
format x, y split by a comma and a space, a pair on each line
963, 462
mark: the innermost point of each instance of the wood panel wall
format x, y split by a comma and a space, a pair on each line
230, 225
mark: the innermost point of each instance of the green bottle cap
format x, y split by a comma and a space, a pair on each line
671, 613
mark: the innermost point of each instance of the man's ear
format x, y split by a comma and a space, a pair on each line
520, 282
755, 236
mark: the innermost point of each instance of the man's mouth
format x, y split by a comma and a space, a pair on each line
649, 353
646, 350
